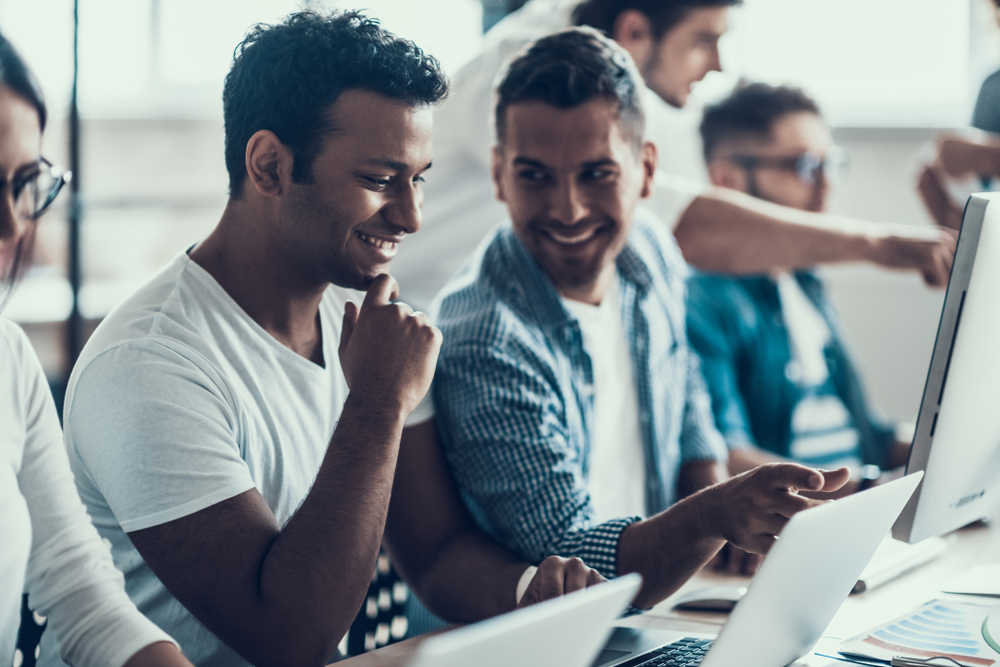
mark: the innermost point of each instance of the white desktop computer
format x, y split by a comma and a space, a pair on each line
957, 439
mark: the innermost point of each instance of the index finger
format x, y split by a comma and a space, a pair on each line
382, 290
793, 475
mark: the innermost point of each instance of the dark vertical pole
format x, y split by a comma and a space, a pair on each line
74, 326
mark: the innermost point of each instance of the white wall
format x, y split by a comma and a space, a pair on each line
892, 317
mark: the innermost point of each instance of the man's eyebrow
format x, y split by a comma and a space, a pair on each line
395, 165
603, 162
528, 162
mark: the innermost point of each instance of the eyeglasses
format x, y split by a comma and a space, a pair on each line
807, 166
32, 194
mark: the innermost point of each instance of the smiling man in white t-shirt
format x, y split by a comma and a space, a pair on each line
234, 425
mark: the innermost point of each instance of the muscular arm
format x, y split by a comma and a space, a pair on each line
729, 232
286, 595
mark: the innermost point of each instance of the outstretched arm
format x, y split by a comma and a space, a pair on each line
730, 232
748, 510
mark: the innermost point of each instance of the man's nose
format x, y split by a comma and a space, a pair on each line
404, 210
821, 191
567, 204
715, 61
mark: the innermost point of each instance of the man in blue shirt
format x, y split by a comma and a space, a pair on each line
775, 360
569, 401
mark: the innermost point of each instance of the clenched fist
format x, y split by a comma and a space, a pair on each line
387, 351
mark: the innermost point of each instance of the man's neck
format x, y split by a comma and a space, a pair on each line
270, 288
592, 293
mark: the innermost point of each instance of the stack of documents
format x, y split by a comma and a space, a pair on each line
966, 633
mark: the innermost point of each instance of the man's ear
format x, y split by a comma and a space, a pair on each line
634, 32
496, 170
647, 159
269, 163
726, 174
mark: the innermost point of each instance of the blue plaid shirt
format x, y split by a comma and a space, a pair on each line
514, 394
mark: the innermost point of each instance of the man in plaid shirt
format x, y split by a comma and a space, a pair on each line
570, 404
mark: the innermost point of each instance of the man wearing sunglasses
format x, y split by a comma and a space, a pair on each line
781, 381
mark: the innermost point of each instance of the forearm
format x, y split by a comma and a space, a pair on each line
668, 548
729, 232
315, 573
471, 578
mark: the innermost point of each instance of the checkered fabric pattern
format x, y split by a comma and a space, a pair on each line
514, 394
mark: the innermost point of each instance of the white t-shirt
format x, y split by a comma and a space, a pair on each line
48, 546
823, 432
617, 463
180, 401
459, 205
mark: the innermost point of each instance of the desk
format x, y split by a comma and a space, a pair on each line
967, 548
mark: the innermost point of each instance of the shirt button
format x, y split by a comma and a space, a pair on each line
793, 371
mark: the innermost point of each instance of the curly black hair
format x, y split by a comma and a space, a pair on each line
570, 68
663, 14
284, 78
750, 111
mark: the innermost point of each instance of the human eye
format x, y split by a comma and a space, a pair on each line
599, 174
21, 184
532, 175
378, 182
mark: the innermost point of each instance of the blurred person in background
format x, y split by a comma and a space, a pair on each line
965, 163
50, 548
674, 44
774, 355
234, 426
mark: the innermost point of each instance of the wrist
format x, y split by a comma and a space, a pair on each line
388, 410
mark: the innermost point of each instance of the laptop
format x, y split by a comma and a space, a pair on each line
808, 574
563, 632
804, 579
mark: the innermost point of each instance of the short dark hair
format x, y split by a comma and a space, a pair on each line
284, 77
750, 112
15, 74
570, 68
664, 15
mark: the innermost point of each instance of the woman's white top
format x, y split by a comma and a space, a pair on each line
48, 547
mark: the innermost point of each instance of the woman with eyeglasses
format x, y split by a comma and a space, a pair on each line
48, 547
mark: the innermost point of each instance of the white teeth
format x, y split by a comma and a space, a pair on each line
378, 243
573, 240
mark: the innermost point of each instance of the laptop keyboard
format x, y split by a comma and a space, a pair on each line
685, 652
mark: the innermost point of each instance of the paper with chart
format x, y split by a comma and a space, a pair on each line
964, 632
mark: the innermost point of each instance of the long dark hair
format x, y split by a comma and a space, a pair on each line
15, 75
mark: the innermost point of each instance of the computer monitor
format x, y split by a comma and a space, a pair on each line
957, 439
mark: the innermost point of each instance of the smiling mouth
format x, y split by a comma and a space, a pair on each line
381, 244
572, 239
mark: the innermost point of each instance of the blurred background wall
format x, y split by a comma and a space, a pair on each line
890, 74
